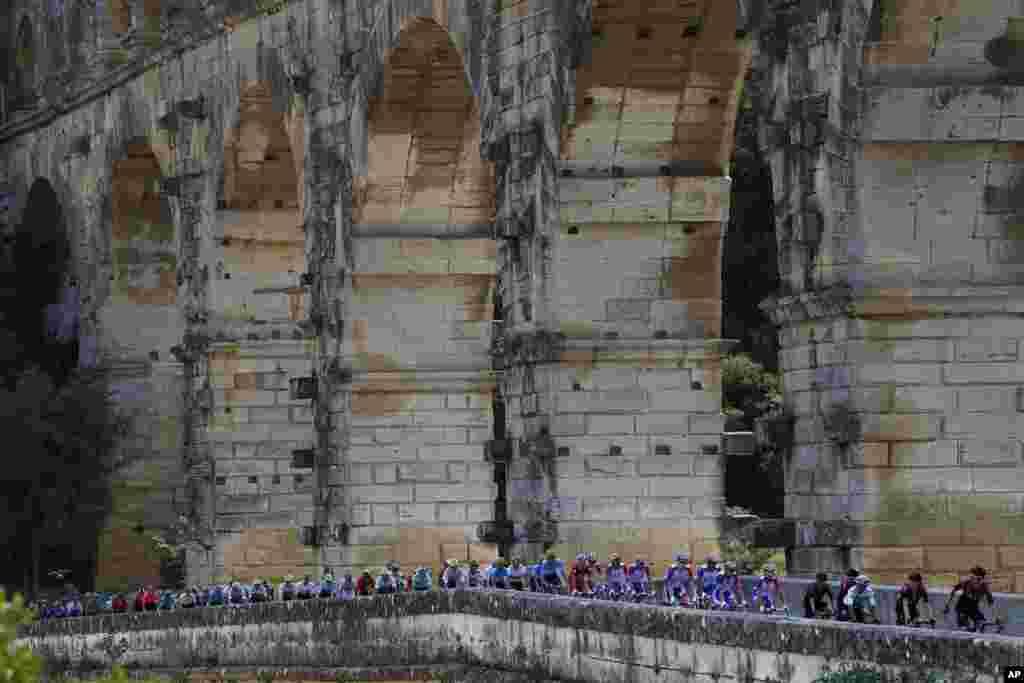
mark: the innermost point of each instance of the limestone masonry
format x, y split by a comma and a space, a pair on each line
420, 279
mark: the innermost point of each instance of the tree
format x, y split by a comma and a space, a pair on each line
59, 487
748, 389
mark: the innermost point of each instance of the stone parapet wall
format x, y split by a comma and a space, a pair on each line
588, 641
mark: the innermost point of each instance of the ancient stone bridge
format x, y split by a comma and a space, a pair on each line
415, 279
535, 637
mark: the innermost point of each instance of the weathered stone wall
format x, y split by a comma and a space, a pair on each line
545, 637
899, 333
429, 205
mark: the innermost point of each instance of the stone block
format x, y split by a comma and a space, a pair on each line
997, 479
657, 379
569, 425
1007, 427
986, 350
986, 400
606, 465
361, 436
430, 493
451, 452
605, 488
898, 373
618, 400
893, 557
385, 474
707, 424
983, 373
982, 451
617, 310
611, 378
630, 446
662, 423
385, 515
451, 513
376, 453
417, 513
402, 493
609, 509
360, 515
868, 454
1012, 556
243, 504
708, 465
956, 558
920, 400
479, 512
571, 466
657, 465
610, 424
423, 471
269, 414
686, 401
923, 453
897, 427
683, 487
663, 508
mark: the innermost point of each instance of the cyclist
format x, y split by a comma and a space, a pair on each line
768, 590
707, 581
451, 577
818, 600
910, 595
497, 575
639, 578
972, 590
594, 565
474, 577
552, 573
579, 576
327, 585
616, 574
729, 593
422, 580
677, 581
364, 584
518, 575
346, 588
845, 584
288, 588
307, 589
860, 600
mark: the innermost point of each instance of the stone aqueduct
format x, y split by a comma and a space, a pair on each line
491, 230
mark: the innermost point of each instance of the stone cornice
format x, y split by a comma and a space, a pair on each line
897, 303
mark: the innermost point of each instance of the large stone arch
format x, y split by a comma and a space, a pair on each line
628, 399
258, 302
420, 308
385, 23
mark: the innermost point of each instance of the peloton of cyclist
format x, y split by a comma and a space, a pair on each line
639, 577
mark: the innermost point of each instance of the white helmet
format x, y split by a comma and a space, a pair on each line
862, 580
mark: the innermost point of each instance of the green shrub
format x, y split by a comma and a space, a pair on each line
17, 665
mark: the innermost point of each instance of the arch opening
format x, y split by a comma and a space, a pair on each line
143, 233
24, 81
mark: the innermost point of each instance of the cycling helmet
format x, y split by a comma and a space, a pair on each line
730, 567
550, 555
978, 570
863, 580
769, 568
915, 577
639, 563
581, 557
590, 557
613, 557
474, 564
392, 565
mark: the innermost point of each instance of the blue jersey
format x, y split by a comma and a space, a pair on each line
553, 567
708, 579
